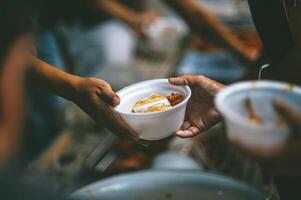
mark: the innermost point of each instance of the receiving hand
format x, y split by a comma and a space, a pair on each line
97, 99
144, 19
201, 113
291, 116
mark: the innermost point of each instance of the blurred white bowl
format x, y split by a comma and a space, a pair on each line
156, 125
164, 33
231, 102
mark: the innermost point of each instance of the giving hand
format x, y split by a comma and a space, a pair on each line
97, 99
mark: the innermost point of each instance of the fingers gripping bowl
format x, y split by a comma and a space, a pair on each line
153, 125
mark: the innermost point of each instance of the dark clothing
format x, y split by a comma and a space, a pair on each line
14, 188
272, 26
276, 29
52, 12
288, 187
270, 19
12, 27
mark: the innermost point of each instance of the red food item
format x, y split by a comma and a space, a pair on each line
175, 99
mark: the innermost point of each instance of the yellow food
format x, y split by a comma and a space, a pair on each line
153, 103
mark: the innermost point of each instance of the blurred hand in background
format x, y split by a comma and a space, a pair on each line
143, 20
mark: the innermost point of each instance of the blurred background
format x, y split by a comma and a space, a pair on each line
73, 151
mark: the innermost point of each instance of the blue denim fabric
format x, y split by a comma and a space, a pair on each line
44, 114
104, 45
221, 66
48, 49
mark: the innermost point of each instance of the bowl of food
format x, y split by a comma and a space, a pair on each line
155, 109
250, 117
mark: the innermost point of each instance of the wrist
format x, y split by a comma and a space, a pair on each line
72, 87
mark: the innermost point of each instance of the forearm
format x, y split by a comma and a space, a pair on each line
205, 24
117, 10
42, 76
10, 143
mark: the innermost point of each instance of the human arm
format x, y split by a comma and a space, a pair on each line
205, 24
93, 96
129, 16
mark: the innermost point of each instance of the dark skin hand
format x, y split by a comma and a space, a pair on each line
206, 25
97, 99
283, 159
93, 96
201, 113
135, 20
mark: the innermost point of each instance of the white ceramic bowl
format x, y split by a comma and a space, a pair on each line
156, 125
231, 103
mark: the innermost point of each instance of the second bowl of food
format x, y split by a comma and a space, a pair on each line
153, 108
250, 117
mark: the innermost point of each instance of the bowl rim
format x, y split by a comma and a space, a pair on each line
184, 102
230, 115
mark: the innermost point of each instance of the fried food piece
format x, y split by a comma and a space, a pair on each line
252, 115
175, 99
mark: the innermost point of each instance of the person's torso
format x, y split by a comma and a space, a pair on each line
278, 24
